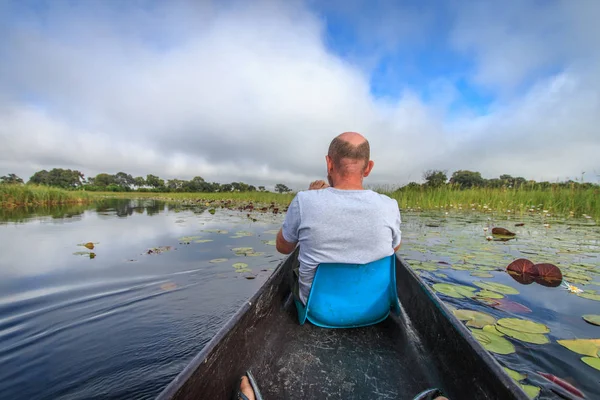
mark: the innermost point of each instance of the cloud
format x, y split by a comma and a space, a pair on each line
253, 92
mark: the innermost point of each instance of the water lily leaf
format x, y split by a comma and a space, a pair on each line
239, 265
592, 319
255, 254
502, 232
244, 233
523, 325
516, 376
89, 245
492, 329
441, 275
203, 240
489, 294
272, 232
535, 338
592, 362
456, 291
511, 306
242, 249
590, 295
480, 274
92, 255
493, 343
520, 267
475, 319
269, 242
496, 287
159, 249
188, 239
585, 347
548, 275
574, 275
217, 260
243, 270
531, 391
212, 211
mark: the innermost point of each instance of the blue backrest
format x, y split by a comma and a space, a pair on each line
351, 295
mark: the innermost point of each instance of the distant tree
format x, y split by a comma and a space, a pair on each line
251, 188
466, 179
154, 181
435, 178
261, 189
11, 179
411, 186
226, 187
177, 185
139, 181
281, 188
104, 180
58, 177
124, 180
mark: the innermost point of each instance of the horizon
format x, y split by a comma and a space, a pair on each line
255, 91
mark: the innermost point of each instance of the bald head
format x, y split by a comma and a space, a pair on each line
350, 152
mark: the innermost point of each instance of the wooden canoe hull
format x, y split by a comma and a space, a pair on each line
426, 346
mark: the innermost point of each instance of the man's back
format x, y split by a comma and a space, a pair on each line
340, 226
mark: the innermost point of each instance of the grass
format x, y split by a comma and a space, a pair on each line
565, 201
236, 197
562, 201
32, 195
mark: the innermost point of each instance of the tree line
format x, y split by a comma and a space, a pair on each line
464, 179
123, 182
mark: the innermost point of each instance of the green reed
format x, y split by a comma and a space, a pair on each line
236, 197
15, 195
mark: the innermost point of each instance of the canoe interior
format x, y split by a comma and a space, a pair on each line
424, 347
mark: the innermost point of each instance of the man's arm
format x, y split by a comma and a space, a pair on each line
397, 247
282, 245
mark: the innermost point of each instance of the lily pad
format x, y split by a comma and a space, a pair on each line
255, 254
203, 240
441, 275
502, 232
456, 291
590, 295
517, 376
239, 265
521, 266
217, 260
269, 242
522, 325
475, 319
592, 362
488, 294
493, 343
531, 391
188, 239
535, 338
586, 347
496, 287
89, 245
592, 319
168, 286
511, 306
492, 329
272, 232
548, 275
481, 274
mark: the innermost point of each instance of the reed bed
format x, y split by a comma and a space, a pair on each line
12, 195
560, 201
236, 197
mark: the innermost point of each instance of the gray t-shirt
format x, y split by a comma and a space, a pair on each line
340, 226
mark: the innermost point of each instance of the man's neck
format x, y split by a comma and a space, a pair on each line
346, 184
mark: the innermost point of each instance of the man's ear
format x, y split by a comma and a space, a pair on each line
369, 168
329, 164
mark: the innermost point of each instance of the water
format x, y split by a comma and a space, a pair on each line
124, 323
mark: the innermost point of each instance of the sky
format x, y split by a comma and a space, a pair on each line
254, 91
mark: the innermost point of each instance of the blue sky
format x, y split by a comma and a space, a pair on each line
255, 91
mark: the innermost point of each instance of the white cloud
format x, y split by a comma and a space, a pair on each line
252, 93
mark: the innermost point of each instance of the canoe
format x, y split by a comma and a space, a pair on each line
424, 347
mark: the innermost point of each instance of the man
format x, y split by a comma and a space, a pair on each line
340, 222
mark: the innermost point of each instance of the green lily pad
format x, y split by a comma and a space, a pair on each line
242, 249
188, 239
489, 294
456, 291
535, 338
441, 275
481, 274
523, 325
516, 376
492, 329
586, 347
239, 265
579, 276
592, 319
255, 254
493, 343
475, 319
592, 362
531, 391
217, 260
590, 295
203, 240
272, 232
269, 242
496, 287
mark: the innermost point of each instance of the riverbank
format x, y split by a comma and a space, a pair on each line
13, 196
564, 201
